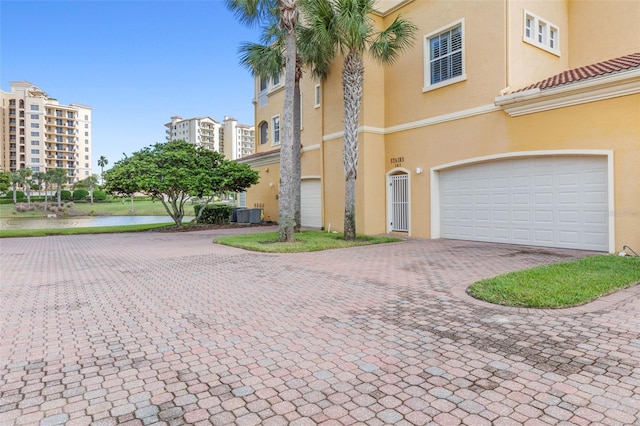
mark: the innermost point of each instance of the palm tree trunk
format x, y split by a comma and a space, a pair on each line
286, 205
352, 82
297, 166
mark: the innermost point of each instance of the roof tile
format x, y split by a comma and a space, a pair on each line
623, 63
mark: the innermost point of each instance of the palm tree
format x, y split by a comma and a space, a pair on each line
42, 178
15, 180
255, 12
344, 27
26, 181
267, 61
102, 162
92, 181
59, 177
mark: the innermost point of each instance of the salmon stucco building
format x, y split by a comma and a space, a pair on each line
514, 121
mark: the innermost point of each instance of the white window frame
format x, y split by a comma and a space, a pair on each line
541, 33
274, 129
427, 57
317, 95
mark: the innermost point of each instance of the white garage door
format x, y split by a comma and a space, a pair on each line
541, 201
310, 203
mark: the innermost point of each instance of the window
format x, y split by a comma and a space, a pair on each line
86, 149
35, 116
35, 160
275, 125
86, 126
35, 107
86, 117
276, 80
317, 94
35, 134
35, 143
264, 132
444, 56
541, 33
35, 125
35, 151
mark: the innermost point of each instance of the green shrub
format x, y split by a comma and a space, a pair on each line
99, 195
80, 194
65, 195
19, 196
213, 214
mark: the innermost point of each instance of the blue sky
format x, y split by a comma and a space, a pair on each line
136, 63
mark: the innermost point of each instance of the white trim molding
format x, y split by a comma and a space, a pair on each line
435, 180
310, 148
590, 90
431, 121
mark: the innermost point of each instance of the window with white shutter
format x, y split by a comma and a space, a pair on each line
444, 56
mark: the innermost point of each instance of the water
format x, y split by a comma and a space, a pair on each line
85, 222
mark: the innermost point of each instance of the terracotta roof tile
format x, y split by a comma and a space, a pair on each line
623, 63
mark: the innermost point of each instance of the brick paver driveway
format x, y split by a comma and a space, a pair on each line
160, 328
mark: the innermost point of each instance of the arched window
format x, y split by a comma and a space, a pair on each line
264, 132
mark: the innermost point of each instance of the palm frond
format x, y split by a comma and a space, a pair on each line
262, 60
388, 44
252, 12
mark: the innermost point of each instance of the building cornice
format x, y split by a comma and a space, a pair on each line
261, 159
591, 90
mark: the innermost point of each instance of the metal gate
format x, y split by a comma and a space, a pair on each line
400, 202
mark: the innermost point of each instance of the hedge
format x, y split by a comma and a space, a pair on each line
213, 213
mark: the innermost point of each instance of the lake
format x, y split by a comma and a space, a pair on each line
84, 222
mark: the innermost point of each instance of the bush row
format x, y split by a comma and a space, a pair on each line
77, 195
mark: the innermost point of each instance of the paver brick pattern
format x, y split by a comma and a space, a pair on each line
171, 329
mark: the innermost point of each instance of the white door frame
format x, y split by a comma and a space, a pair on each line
398, 171
435, 180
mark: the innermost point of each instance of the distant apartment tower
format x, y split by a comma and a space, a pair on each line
239, 139
200, 131
39, 133
229, 138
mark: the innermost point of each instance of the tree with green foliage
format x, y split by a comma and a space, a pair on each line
102, 162
5, 181
254, 12
58, 177
176, 171
345, 28
42, 179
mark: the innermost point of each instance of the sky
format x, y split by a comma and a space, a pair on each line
136, 63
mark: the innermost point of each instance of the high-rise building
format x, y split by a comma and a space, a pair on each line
239, 139
230, 138
40, 133
200, 131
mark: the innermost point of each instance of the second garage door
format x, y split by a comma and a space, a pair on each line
543, 201
311, 203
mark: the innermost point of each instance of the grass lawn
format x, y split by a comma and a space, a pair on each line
305, 241
560, 285
14, 233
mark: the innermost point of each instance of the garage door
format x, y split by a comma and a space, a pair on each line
310, 203
541, 201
